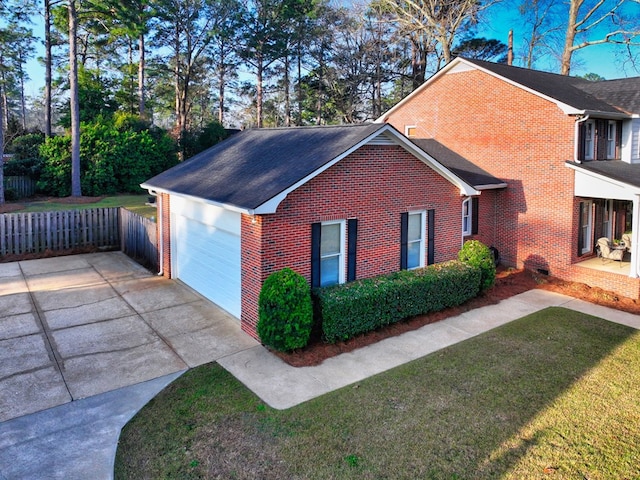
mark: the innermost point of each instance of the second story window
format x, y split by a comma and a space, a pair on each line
589, 140
611, 139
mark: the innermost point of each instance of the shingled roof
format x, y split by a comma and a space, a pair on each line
573, 91
255, 166
615, 169
610, 98
469, 172
623, 93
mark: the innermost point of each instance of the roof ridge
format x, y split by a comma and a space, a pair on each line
308, 127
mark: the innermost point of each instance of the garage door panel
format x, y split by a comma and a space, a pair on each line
208, 259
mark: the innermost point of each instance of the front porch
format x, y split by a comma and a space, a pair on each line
610, 266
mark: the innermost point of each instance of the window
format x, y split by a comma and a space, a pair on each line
589, 139
470, 216
412, 228
410, 131
466, 217
584, 241
611, 139
332, 253
328, 252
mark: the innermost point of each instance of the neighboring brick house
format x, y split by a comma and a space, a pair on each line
567, 149
333, 203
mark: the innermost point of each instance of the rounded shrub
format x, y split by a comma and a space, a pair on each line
285, 311
477, 254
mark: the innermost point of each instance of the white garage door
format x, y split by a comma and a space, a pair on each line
206, 251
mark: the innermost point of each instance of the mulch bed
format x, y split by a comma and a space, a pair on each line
509, 282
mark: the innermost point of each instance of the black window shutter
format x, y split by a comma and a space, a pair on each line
474, 215
431, 234
404, 233
352, 235
580, 239
619, 139
601, 139
582, 131
316, 228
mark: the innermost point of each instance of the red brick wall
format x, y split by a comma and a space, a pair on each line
375, 185
519, 138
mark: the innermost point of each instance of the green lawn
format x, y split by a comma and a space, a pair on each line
135, 203
552, 395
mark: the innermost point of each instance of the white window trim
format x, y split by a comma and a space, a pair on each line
406, 130
586, 246
589, 154
341, 255
469, 216
612, 134
423, 229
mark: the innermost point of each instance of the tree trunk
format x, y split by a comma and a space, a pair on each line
259, 92
76, 189
319, 98
1, 157
287, 96
23, 105
221, 96
565, 65
47, 68
141, 72
299, 87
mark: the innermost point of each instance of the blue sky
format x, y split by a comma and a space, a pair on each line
598, 59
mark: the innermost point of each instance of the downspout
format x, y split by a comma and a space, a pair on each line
576, 145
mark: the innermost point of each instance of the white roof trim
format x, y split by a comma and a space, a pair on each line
492, 186
390, 134
567, 109
227, 206
603, 178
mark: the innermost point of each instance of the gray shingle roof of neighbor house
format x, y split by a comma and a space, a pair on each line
615, 169
469, 172
255, 166
573, 91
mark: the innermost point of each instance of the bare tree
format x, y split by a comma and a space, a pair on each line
596, 22
541, 27
439, 21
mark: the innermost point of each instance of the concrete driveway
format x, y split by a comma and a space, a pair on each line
76, 326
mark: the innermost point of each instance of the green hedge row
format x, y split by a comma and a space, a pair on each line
364, 305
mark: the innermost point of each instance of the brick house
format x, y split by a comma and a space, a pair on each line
567, 149
333, 203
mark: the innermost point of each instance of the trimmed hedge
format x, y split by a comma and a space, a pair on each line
477, 254
364, 305
285, 311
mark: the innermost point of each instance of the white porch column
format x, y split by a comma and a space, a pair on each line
635, 237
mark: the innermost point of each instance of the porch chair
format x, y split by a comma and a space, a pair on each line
626, 238
605, 252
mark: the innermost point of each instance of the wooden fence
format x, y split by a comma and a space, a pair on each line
138, 238
104, 228
23, 187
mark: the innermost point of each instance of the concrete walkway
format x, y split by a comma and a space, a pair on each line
78, 440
